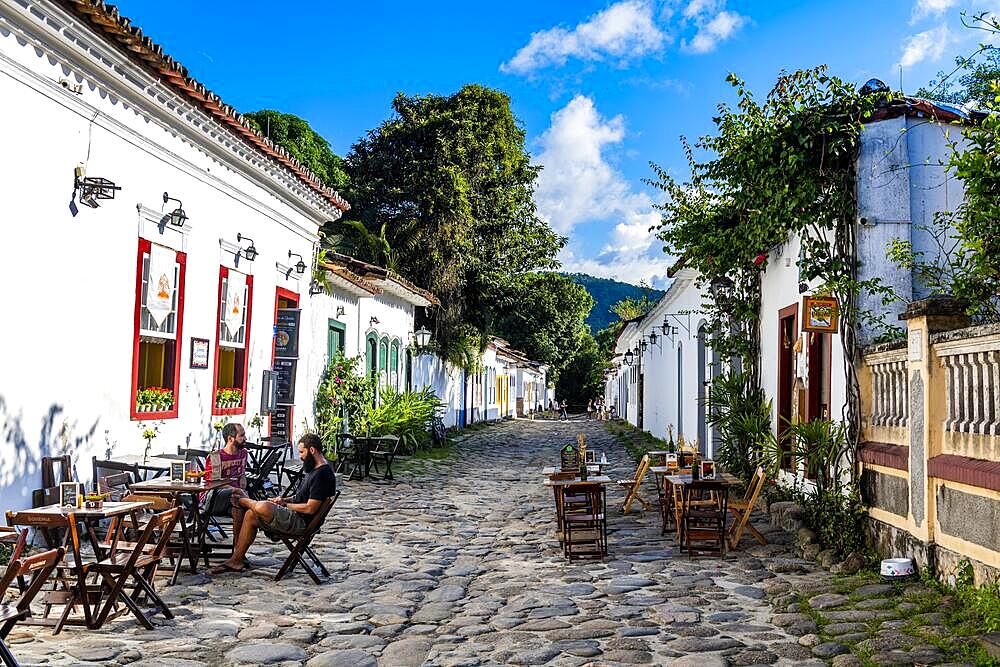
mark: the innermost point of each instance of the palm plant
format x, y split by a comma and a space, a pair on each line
407, 415
740, 413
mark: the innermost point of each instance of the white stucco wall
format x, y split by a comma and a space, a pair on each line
65, 385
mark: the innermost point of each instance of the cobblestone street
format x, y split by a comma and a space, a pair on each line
456, 563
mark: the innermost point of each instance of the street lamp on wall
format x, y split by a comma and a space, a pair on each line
629, 358
300, 266
177, 217
422, 336
250, 252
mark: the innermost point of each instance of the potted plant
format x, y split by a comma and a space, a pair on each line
235, 397
164, 399
218, 425
255, 423
149, 433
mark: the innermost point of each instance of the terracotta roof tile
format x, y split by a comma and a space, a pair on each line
118, 29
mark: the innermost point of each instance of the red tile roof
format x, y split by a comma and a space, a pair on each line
118, 30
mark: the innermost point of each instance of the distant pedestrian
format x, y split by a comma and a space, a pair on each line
563, 414
590, 408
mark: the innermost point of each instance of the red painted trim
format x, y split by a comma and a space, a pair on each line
242, 408
144, 248
293, 297
964, 470
884, 454
785, 395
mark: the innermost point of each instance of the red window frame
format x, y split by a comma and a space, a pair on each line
242, 407
145, 247
279, 294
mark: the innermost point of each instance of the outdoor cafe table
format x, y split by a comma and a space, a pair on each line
149, 465
558, 485
669, 476
55, 516
199, 511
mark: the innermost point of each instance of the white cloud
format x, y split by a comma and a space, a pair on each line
624, 30
924, 8
715, 31
628, 30
928, 45
578, 185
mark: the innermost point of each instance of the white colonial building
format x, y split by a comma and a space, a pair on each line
902, 184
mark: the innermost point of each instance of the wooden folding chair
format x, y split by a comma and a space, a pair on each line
137, 565
703, 517
39, 566
259, 484
742, 509
584, 524
177, 549
299, 544
384, 451
632, 486
49, 466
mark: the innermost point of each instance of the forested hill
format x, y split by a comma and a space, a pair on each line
607, 293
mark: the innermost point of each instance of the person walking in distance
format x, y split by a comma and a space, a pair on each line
563, 414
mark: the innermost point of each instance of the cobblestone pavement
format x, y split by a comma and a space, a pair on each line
456, 563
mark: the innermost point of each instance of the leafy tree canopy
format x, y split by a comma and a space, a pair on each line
548, 321
973, 79
446, 183
294, 135
583, 377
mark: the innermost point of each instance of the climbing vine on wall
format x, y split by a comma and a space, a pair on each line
774, 169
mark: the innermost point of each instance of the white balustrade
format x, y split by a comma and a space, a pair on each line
972, 375
890, 398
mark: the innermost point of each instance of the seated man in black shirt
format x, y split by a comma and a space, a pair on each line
284, 515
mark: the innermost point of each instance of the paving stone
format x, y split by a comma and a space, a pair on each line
827, 601
406, 652
829, 649
265, 654
345, 658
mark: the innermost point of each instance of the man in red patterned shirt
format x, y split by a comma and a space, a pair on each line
229, 462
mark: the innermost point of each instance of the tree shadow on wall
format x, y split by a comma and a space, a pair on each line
20, 462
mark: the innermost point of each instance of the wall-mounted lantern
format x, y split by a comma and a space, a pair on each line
177, 217
300, 266
250, 252
422, 336
92, 188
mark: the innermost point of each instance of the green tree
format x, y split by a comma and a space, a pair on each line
972, 79
298, 138
450, 182
547, 322
582, 378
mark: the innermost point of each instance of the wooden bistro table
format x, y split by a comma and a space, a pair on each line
669, 482
559, 485
151, 467
194, 545
77, 593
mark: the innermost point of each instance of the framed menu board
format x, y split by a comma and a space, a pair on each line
568, 458
281, 428
177, 470
69, 494
284, 381
286, 333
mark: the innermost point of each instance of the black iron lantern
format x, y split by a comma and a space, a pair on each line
177, 217
250, 252
652, 337
300, 266
629, 357
643, 345
721, 288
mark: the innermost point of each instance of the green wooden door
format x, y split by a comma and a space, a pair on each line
336, 332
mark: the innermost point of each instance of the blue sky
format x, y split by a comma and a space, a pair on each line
603, 88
